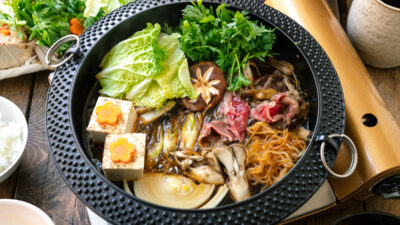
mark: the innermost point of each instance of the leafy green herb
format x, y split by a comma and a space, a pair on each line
168, 29
229, 38
46, 20
11, 22
5, 18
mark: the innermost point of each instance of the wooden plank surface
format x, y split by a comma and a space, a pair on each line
39, 180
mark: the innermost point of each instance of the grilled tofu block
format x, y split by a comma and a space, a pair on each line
126, 122
132, 170
14, 52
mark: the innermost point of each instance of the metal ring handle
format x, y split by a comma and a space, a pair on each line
353, 152
68, 55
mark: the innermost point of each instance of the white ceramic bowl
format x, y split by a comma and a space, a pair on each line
11, 112
22, 213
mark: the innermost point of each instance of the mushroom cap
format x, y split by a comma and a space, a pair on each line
217, 74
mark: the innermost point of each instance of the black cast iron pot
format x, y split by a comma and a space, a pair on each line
74, 88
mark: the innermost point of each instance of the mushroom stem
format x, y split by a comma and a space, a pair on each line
205, 174
193, 166
233, 162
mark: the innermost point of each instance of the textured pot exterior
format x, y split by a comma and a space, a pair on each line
68, 93
374, 29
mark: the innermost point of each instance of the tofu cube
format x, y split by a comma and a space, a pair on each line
125, 124
118, 171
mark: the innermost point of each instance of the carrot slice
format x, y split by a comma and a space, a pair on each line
122, 151
5, 30
76, 27
108, 113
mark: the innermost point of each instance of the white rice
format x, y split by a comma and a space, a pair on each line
10, 142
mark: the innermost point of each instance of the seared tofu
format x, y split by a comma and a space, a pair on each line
118, 171
125, 124
14, 52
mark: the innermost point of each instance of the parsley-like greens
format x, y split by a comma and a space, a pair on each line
229, 38
45, 20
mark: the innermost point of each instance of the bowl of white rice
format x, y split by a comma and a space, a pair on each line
13, 137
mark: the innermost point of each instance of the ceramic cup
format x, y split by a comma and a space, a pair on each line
373, 26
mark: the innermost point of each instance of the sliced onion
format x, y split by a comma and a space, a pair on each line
217, 198
154, 114
172, 190
126, 187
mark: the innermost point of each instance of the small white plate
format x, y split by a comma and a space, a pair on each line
17, 212
11, 112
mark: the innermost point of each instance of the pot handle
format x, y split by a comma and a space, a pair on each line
353, 151
68, 55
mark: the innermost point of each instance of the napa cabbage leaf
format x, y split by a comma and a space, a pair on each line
148, 68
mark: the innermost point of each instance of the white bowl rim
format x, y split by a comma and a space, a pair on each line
19, 113
28, 206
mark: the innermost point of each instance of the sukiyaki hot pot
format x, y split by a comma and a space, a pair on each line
152, 122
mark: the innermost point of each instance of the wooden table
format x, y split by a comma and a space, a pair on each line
37, 180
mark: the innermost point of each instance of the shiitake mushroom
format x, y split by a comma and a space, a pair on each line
210, 84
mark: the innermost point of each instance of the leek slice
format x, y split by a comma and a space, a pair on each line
190, 131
